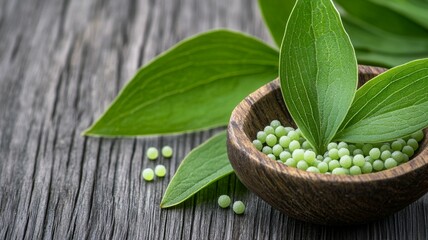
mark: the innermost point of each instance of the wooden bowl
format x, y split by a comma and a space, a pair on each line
313, 197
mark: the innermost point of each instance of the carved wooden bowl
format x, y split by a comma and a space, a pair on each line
313, 197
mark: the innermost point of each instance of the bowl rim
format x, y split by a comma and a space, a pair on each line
235, 133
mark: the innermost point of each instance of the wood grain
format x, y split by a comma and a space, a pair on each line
318, 198
61, 63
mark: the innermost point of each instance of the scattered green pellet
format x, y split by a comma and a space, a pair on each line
385, 155
369, 159
333, 153
327, 159
339, 171
398, 156
309, 156
152, 153
396, 146
385, 147
224, 201
357, 151
167, 150
331, 145
306, 145
323, 167
358, 160
160, 170
238, 207
342, 145
367, 168
293, 135
148, 174
333, 164
257, 144
343, 152
402, 142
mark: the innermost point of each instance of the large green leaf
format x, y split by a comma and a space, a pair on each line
391, 105
203, 166
318, 70
193, 86
275, 14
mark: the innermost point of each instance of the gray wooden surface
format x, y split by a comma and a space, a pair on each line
61, 63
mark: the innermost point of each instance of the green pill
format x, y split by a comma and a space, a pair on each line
167, 150
152, 153
238, 207
224, 201
275, 124
148, 174
160, 170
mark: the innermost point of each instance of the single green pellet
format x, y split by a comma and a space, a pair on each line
298, 131
331, 145
366, 148
327, 160
294, 145
402, 142
352, 148
339, 171
413, 143
343, 152
261, 136
374, 153
293, 135
284, 141
398, 156
378, 165
390, 163
167, 150
280, 131
269, 130
408, 150
396, 146
271, 140
357, 151
333, 153
289, 129
418, 136
275, 124
267, 150
385, 147
298, 154
291, 162
345, 161
369, 159
224, 201
313, 169
342, 145
271, 156
322, 167
302, 165
148, 174
309, 156
277, 149
359, 160
160, 170
306, 145
152, 153
284, 156
238, 207
367, 168
355, 170
333, 164
257, 144
320, 157
385, 155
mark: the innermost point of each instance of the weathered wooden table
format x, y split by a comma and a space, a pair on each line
61, 64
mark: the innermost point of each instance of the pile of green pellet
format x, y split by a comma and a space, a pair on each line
288, 146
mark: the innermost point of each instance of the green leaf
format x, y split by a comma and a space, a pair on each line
318, 70
195, 85
275, 13
203, 166
391, 105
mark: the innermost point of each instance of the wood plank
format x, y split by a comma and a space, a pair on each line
61, 64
